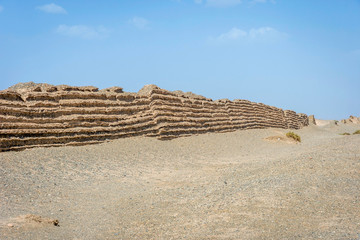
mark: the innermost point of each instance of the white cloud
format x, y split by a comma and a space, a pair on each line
139, 22
263, 33
1, 8
82, 31
233, 34
222, 3
52, 8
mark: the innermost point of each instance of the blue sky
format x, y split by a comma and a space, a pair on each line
302, 55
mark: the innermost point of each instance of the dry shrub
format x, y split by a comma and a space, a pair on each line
293, 136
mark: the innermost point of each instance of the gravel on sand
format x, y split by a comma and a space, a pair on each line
213, 186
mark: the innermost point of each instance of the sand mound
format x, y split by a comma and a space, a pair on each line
326, 123
281, 139
30, 220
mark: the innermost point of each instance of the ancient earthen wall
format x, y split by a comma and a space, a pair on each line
47, 115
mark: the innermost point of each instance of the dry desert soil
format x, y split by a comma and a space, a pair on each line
235, 185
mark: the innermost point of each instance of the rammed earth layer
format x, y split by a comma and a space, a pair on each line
45, 115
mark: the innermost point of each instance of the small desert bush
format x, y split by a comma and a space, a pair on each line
357, 132
293, 136
345, 133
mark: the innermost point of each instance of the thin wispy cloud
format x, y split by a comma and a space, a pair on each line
265, 32
233, 34
139, 22
52, 8
262, 1
222, 3
230, 3
254, 34
1, 8
82, 31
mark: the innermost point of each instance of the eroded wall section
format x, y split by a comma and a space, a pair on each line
47, 115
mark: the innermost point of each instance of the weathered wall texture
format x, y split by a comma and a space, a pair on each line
47, 115
351, 119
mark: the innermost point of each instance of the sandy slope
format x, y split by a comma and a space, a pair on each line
212, 186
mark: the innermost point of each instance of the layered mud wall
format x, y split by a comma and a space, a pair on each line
47, 115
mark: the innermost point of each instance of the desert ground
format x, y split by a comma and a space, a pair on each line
236, 185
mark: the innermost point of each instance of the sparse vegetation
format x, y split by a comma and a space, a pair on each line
357, 132
293, 136
345, 133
